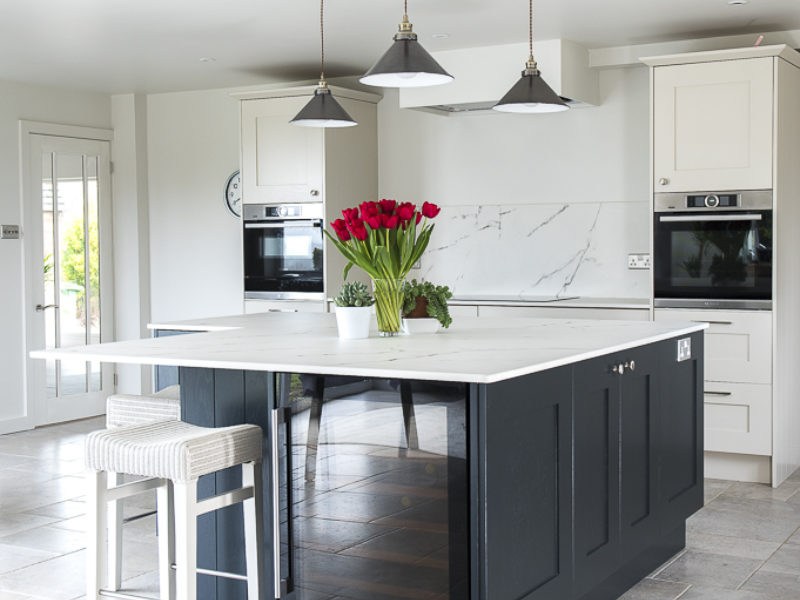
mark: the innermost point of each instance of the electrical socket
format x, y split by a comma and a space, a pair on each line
684, 349
638, 261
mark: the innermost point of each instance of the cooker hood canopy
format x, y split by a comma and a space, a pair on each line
483, 75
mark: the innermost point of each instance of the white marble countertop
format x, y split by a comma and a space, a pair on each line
548, 301
479, 350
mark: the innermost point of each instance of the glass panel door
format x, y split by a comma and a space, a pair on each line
71, 175
378, 502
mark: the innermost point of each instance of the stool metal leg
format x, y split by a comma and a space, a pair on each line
166, 541
185, 539
96, 555
253, 531
115, 516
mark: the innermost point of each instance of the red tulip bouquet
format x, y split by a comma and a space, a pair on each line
384, 239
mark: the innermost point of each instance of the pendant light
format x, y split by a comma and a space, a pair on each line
406, 63
323, 110
531, 94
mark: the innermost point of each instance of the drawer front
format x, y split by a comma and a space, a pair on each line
738, 344
738, 418
555, 312
262, 306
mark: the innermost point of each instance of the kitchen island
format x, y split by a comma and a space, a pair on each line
500, 459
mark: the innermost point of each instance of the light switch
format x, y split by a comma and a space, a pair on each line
9, 232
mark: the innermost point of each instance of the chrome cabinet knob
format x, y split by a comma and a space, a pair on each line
632, 366
663, 181
618, 369
315, 192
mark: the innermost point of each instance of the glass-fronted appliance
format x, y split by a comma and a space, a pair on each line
713, 250
373, 496
283, 251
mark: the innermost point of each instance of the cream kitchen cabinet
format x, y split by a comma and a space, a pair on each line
287, 164
712, 125
281, 163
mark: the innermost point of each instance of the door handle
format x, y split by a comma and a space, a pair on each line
281, 416
40, 308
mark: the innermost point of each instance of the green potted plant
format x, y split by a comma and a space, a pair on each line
425, 306
353, 310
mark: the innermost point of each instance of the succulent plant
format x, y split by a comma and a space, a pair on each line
354, 293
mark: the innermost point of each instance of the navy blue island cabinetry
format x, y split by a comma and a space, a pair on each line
501, 459
573, 482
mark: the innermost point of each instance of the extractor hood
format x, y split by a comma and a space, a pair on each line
483, 75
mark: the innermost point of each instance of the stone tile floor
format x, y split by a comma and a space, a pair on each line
743, 545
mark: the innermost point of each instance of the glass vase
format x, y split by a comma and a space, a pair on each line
388, 304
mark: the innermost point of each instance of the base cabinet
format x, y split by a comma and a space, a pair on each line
598, 495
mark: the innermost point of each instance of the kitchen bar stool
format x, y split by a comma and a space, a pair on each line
173, 455
126, 410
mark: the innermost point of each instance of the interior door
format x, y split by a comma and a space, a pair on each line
68, 270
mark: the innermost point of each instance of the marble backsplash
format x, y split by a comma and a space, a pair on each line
564, 249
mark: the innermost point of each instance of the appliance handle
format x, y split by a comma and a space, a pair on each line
277, 419
715, 322
702, 218
283, 225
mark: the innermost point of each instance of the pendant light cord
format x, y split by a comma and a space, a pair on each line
530, 28
322, 39
405, 8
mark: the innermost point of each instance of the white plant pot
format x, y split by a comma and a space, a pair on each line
353, 321
421, 325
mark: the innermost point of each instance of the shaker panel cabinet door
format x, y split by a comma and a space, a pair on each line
595, 472
281, 163
525, 487
712, 126
680, 422
638, 417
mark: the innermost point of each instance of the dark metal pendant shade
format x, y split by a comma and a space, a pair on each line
323, 111
406, 64
531, 94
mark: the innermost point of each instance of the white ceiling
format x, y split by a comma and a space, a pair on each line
155, 45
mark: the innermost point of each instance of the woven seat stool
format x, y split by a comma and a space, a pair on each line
172, 456
127, 410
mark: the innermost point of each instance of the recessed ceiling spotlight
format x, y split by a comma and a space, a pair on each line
207, 59
738, 2
440, 36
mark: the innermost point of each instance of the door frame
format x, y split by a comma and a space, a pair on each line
34, 413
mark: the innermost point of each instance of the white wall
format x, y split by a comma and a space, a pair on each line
533, 204
131, 233
195, 243
20, 101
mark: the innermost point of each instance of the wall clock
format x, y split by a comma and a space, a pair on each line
233, 194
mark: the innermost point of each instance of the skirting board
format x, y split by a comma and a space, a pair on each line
738, 467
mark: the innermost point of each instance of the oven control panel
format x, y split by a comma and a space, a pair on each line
712, 201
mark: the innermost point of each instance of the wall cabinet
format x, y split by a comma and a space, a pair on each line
281, 163
712, 126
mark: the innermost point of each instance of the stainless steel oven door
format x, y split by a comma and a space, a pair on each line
714, 258
283, 259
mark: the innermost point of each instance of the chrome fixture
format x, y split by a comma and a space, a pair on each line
406, 63
531, 94
323, 110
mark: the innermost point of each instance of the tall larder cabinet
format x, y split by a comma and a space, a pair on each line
286, 164
729, 121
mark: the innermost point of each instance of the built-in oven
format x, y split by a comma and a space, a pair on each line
283, 251
713, 250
